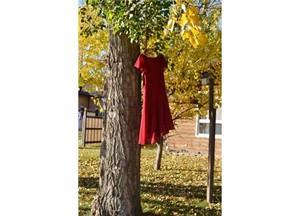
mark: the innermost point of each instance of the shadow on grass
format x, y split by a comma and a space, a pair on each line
170, 207
149, 214
189, 191
91, 146
88, 182
166, 189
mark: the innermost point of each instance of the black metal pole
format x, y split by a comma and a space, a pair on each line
84, 127
211, 150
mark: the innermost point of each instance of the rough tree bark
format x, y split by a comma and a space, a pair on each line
119, 181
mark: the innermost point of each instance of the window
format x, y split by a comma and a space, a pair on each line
203, 122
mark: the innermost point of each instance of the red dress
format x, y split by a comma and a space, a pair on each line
156, 118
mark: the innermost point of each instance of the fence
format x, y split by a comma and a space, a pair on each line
91, 127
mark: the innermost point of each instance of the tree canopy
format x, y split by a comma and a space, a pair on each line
187, 32
187, 64
92, 48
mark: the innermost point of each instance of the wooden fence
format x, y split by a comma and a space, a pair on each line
91, 127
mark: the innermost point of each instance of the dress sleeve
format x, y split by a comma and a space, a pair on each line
139, 63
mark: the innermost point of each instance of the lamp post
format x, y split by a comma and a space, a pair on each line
208, 78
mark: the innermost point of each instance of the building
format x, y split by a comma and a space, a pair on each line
85, 100
191, 136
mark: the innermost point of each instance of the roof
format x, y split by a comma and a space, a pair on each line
94, 94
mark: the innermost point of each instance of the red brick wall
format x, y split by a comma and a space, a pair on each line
184, 140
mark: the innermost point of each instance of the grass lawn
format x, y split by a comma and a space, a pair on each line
179, 188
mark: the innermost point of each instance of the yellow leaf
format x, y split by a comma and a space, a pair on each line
185, 34
183, 21
191, 38
165, 32
192, 15
195, 31
193, 41
193, 11
170, 25
202, 39
178, 2
99, 64
174, 11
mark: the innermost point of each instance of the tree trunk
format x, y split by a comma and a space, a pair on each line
159, 154
119, 181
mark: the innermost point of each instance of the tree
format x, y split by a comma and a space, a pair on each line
119, 183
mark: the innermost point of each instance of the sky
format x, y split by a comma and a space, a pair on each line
80, 2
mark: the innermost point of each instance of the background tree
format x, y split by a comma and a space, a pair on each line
187, 97
192, 46
92, 48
